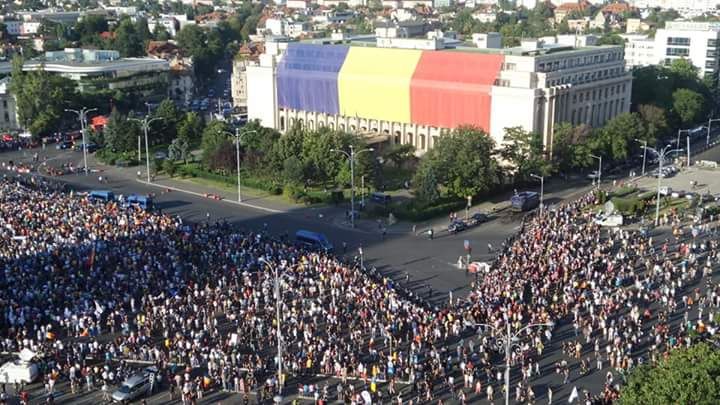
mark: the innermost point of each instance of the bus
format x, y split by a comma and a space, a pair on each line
313, 240
525, 201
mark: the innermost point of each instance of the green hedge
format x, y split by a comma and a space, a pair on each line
413, 211
624, 191
110, 158
629, 206
196, 170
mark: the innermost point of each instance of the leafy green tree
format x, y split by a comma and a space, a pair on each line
127, 41
289, 145
400, 153
524, 151
687, 376
570, 149
684, 69
293, 171
40, 97
120, 134
655, 120
89, 27
167, 126
257, 142
688, 105
190, 129
464, 22
611, 39
463, 163
426, 187
214, 137
615, 137
205, 49
179, 150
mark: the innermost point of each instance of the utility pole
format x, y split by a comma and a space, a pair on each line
82, 115
599, 173
710, 121
278, 298
661, 158
238, 137
145, 124
351, 158
542, 190
644, 153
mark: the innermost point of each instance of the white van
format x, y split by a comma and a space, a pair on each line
20, 370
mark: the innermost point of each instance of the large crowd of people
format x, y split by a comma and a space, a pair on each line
95, 286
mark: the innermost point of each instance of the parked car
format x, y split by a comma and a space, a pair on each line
480, 217
160, 155
457, 226
91, 147
135, 386
665, 190
593, 175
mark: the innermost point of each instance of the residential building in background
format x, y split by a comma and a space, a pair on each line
248, 55
695, 41
415, 96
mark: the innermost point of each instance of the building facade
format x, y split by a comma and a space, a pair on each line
695, 41
8, 108
415, 96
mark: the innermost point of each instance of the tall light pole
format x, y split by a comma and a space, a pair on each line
145, 123
599, 173
542, 189
278, 397
351, 158
644, 143
82, 115
680, 131
710, 121
661, 158
238, 137
507, 341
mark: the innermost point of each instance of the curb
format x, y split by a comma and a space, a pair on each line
213, 197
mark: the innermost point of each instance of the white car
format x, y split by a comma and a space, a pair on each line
593, 175
609, 220
665, 190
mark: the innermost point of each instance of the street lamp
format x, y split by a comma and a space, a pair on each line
238, 136
82, 115
661, 158
710, 121
599, 173
542, 189
507, 341
273, 267
644, 153
351, 158
145, 124
680, 131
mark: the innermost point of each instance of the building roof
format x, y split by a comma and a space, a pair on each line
576, 6
126, 64
617, 8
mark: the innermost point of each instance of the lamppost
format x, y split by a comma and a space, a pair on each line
661, 158
145, 124
278, 397
82, 115
599, 173
644, 143
542, 189
680, 131
351, 157
710, 121
506, 341
238, 137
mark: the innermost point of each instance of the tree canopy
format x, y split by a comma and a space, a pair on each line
687, 376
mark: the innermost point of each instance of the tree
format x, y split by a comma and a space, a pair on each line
570, 149
615, 137
524, 150
205, 49
127, 40
684, 70
462, 162
214, 138
426, 186
655, 120
40, 97
179, 150
120, 134
688, 105
257, 142
687, 376
400, 153
293, 171
611, 39
167, 126
190, 129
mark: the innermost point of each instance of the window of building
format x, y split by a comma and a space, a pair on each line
623, 87
509, 66
677, 52
541, 67
332, 126
710, 64
282, 123
422, 141
711, 53
678, 41
712, 43
606, 92
574, 98
4, 103
342, 127
397, 137
434, 140
7, 117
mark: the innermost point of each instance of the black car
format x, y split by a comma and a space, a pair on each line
480, 217
457, 226
64, 145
